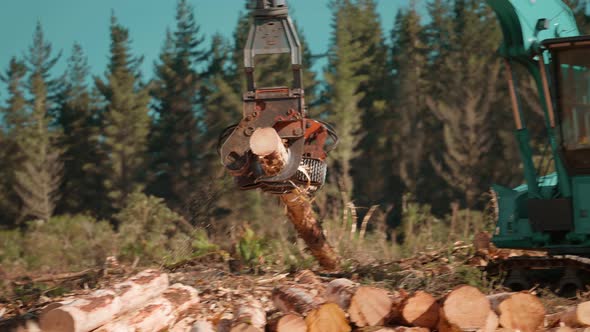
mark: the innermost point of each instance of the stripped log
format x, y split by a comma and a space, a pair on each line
575, 316
419, 309
268, 146
293, 299
202, 326
273, 156
518, 311
340, 291
393, 329
327, 317
160, 313
101, 306
288, 323
249, 318
464, 308
370, 306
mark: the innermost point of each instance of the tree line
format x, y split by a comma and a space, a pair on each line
421, 109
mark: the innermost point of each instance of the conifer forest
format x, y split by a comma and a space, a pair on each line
125, 164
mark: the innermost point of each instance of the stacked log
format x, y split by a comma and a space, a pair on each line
309, 306
576, 316
92, 311
160, 313
518, 311
464, 308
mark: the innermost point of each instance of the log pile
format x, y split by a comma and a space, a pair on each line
147, 302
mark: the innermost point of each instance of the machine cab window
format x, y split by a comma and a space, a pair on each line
571, 72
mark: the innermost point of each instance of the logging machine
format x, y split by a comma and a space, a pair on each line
307, 141
549, 212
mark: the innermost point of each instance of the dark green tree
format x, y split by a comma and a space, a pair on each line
125, 121
14, 115
410, 91
38, 179
77, 117
178, 129
372, 150
466, 108
355, 56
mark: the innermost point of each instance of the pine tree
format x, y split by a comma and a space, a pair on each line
410, 90
14, 116
125, 120
176, 138
77, 117
466, 109
39, 178
373, 153
351, 56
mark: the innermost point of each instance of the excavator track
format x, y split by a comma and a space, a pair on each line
563, 273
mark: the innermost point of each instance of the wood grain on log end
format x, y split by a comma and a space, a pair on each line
463, 308
518, 311
420, 310
369, 306
327, 317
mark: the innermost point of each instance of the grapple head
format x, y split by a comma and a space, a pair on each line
307, 141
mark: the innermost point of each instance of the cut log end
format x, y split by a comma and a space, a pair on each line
57, 321
464, 308
291, 323
518, 311
328, 317
421, 310
370, 306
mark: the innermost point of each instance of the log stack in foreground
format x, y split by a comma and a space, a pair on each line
308, 304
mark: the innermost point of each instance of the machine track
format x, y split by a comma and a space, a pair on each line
563, 273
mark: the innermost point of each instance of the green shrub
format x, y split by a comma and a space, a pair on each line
150, 231
250, 248
11, 248
68, 243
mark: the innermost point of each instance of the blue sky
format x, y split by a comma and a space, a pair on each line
87, 22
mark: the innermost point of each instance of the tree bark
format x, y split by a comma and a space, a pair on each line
340, 291
301, 214
464, 308
370, 306
249, 318
518, 311
293, 299
158, 314
90, 312
273, 156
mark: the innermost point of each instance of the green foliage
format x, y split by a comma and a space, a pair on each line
76, 116
38, 179
11, 248
250, 248
125, 121
68, 243
177, 135
151, 232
